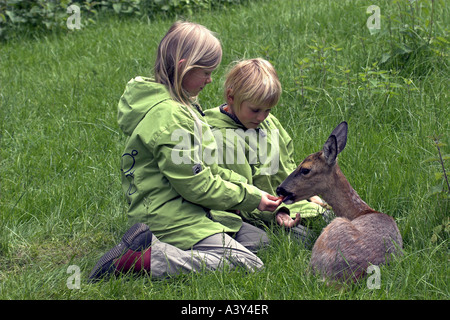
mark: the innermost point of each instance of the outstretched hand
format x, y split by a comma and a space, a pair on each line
285, 220
269, 202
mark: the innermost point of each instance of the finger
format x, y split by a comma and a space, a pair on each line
277, 201
282, 222
271, 197
274, 204
297, 219
279, 220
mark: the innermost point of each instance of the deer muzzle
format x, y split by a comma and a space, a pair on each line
288, 197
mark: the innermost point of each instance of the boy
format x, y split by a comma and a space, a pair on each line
252, 142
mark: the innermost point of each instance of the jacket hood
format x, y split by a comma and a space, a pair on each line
140, 95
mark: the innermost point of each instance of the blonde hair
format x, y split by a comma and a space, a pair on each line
192, 42
253, 80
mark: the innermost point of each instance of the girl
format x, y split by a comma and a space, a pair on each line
253, 143
170, 189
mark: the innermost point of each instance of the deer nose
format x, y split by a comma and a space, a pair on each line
288, 197
281, 191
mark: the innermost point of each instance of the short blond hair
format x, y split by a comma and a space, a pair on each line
194, 43
255, 81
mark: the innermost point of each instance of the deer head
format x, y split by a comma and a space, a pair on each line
312, 176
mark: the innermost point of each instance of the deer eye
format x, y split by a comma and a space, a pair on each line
304, 171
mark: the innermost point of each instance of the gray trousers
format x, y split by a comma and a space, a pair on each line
212, 253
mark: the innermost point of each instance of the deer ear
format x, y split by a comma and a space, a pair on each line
330, 150
341, 135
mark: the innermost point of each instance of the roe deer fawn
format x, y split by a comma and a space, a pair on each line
359, 236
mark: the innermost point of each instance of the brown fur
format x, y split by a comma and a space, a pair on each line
359, 236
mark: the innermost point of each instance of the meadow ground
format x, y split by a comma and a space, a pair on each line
61, 200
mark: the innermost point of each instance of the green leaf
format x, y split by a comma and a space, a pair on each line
435, 189
385, 57
438, 175
437, 229
442, 39
117, 7
433, 238
14, 18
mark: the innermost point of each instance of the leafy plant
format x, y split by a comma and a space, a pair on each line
441, 230
440, 176
438, 190
321, 70
412, 36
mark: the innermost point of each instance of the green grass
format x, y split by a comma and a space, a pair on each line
61, 201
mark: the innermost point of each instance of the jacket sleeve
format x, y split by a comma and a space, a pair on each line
203, 184
230, 175
242, 169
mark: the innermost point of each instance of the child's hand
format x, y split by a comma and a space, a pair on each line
285, 220
269, 202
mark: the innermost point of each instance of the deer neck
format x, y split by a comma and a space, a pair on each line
344, 200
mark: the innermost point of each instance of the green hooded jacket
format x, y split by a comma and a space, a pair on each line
264, 156
166, 180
